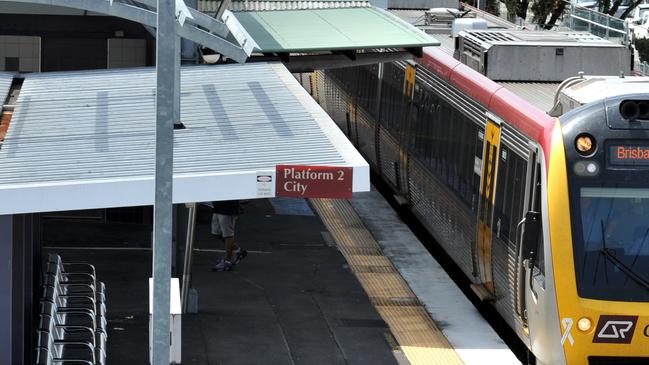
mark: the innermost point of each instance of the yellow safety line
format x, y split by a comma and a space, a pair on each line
415, 332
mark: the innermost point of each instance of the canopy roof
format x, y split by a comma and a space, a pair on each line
294, 31
254, 5
82, 140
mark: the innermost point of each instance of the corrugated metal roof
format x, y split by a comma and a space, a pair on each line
5, 83
539, 94
253, 5
330, 29
87, 139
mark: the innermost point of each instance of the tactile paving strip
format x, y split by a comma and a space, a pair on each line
418, 336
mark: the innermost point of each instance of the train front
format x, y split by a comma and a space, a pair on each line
599, 220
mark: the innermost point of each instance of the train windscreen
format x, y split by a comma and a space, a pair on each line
612, 254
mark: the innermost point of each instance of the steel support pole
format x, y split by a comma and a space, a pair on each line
177, 60
6, 290
166, 49
189, 250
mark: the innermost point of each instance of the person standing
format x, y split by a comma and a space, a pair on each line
224, 220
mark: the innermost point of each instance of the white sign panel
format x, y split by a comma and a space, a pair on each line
265, 184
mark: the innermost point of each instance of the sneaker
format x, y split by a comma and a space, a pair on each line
223, 265
239, 255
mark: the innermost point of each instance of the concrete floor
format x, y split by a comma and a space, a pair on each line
291, 301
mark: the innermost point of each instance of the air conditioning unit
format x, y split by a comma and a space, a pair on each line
518, 55
581, 90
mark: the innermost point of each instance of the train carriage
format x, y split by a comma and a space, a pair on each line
547, 216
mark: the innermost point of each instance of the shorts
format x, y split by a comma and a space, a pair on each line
223, 225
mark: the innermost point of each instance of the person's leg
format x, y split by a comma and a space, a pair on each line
229, 248
227, 223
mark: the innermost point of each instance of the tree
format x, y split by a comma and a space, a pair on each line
610, 7
556, 14
634, 4
493, 7
517, 8
543, 9
642, 46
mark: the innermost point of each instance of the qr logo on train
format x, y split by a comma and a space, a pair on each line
615, 329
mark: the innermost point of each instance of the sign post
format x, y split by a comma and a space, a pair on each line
298, 181
167, 113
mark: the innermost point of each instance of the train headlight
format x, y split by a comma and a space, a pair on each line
584, 324
586, 168
585, 144
591, 167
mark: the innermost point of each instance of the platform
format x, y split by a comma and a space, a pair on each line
465, 329
293, 300
351, 286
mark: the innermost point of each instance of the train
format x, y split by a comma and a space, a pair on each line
545, 211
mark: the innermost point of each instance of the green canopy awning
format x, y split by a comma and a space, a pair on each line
303, 31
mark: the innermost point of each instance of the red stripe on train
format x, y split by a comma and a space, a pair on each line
526, 117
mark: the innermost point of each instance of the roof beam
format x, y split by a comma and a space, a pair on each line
203, 20
148, 17
349, 53
309, 63
416, 51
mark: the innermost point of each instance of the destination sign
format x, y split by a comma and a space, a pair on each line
628, 154
298, 181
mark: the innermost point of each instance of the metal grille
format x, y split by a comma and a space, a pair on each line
504, 273
389, 150
491, 36
441, 211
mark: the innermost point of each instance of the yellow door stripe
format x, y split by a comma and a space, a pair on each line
487, 198
410, 80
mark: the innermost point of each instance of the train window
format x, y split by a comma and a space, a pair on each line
421, 129
510, 194
539, 263
444, 140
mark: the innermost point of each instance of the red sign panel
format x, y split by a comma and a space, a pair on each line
298, 181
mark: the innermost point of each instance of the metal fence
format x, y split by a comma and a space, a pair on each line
600, 24
641, 68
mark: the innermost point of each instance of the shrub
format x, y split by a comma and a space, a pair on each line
642, 46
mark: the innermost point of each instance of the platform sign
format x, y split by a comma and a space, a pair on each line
299, 181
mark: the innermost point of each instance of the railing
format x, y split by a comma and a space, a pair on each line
641, 68
600, 24
72, 324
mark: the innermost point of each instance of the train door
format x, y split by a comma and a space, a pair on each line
482, 251
407, 130
535, 299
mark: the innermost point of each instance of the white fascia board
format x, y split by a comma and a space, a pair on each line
110, 193
75, 195
113, 193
